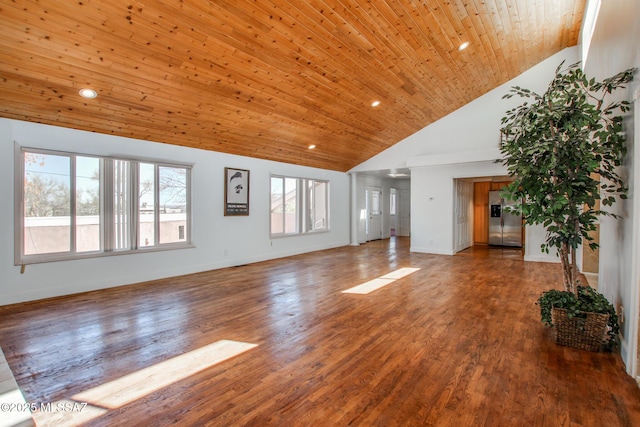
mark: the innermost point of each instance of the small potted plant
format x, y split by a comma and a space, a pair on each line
563, 148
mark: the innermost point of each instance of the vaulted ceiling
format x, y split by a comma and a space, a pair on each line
268, 78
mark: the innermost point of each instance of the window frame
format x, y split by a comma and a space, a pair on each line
305, 206
106, 245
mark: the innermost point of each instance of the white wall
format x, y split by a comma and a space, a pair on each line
432, 205
535, 236
246, 239
614, 48
461, 145
473, 131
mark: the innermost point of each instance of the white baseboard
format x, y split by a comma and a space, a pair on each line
435, 251
540, 258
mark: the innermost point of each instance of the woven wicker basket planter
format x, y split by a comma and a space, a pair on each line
582, 333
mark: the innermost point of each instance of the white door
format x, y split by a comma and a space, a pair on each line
404, 213
373, 228
464, 215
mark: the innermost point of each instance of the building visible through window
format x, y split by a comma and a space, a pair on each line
73, 205
298, 205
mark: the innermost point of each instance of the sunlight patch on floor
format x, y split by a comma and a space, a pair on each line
93, 403
131, 387
380, 282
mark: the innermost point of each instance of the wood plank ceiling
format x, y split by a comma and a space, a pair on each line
268, 78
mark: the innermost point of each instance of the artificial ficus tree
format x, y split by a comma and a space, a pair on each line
563, 148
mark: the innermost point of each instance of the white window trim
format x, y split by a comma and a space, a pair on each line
301, 197
21, 259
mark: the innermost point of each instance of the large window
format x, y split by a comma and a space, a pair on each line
72, 206
298, 205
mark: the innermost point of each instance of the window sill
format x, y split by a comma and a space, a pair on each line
308, 233
57, 257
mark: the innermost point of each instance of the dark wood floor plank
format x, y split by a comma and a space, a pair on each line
458, 342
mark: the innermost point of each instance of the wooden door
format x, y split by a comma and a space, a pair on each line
481, 212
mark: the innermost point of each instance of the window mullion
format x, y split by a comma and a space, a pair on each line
304, 214
311, 208
109, 196
298, 214
156, 204
300, 204
134, 209
188, 222
284, 207
327, 206
313, 204
101, 202
72, 207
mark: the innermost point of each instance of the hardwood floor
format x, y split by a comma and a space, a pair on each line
456, 343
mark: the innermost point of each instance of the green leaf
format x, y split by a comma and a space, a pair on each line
553, 143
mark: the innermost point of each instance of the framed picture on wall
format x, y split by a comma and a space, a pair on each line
236, 192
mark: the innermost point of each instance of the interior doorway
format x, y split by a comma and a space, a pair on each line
482, 188
481, 191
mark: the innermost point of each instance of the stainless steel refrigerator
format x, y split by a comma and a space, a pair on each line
505, 228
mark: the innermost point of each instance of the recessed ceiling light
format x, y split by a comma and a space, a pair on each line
88, 93
463, 46
312, 146
375, 103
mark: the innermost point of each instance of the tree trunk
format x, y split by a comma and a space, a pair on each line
574, 272
566, 267
574, 264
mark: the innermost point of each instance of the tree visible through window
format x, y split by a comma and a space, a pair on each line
74, 205
47, 203
172, 183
